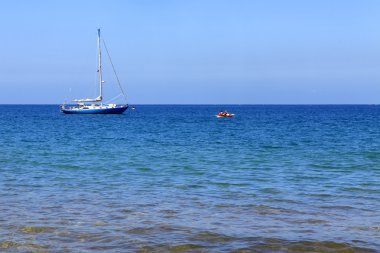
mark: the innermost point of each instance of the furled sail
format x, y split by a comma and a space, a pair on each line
98, 99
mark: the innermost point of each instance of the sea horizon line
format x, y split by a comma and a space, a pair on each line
213, 104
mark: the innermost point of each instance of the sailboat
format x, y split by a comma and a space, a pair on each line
95, 105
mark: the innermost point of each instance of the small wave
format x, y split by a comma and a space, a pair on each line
337, 207
181, 248
208, 242
309, 221
358, 189
207, 236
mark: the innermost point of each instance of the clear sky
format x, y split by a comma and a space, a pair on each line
194, 51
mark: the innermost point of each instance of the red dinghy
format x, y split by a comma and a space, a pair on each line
225, 115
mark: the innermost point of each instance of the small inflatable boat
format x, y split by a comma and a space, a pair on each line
228, 115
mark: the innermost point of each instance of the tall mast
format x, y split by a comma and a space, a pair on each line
100, 67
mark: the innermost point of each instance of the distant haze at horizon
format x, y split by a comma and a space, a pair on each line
193, 52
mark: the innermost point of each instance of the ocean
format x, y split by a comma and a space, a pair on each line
174, 178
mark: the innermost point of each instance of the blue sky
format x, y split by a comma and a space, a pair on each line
195, 51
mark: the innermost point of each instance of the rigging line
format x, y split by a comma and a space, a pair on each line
113, 98
114, 71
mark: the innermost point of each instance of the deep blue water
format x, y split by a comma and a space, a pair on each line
178, 179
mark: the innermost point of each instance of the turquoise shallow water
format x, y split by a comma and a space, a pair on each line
177, 179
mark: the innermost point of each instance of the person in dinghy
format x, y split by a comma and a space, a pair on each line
225, 114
